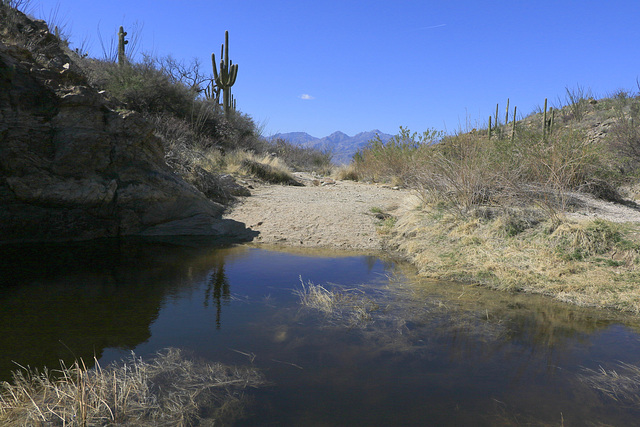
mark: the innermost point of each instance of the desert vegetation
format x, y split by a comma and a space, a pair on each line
192, 109
198, 131
494, 205
170, 389
339, 306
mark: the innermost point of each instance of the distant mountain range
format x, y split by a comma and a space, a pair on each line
339, 143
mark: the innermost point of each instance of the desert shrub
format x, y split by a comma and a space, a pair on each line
244, 134
19, 30
301, 158
20, 5
347, 172
563, 161
187, 74
396, 158
268, 173
196, 157
141, 86
462, 170
576, 103
467, 170
180, 132
624, 137
235, 131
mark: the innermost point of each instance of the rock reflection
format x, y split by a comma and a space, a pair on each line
63, 302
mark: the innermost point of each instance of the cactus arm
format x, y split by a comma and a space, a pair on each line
213, 63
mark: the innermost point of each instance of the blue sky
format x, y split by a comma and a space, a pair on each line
326, 65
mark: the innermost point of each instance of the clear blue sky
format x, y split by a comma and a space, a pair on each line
326, 65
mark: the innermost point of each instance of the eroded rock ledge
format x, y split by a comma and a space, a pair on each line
73, 167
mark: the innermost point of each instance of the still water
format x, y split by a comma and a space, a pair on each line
426, 353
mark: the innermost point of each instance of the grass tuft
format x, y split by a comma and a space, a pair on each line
168, 390
621, 385
266, 171
349, 307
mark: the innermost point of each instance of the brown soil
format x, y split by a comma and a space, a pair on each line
323, 213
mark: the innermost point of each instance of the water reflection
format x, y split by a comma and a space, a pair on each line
462, 354
73, 301
62, 302
218, 288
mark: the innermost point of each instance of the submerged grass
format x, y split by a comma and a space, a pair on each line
621, 384
168, 390
341, 306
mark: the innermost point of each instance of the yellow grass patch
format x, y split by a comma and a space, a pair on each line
588, 263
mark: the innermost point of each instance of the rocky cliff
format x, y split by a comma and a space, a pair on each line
72, 166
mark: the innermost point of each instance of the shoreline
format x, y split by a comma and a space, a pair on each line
544, 257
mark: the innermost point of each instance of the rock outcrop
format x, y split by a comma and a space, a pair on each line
74, 167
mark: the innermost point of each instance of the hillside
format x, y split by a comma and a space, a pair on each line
76, 164
341, 145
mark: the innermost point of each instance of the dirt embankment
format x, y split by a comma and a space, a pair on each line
323, 213
338, 214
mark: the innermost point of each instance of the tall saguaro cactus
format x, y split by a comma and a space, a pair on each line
122, 58
227, 76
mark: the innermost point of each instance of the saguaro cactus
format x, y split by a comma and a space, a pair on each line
228, 73
513, 125
122, 58
506, 118
547, 124
544, 120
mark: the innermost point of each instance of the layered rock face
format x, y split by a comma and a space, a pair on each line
73, 167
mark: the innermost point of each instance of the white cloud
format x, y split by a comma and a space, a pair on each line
306, 96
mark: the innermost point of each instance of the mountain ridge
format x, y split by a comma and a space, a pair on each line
341, 145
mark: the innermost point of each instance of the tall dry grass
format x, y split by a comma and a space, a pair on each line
168, 390
299, 158
621, 384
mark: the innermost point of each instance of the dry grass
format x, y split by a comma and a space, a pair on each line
350, 307
266, 168
169, 390
346, 172
470, 169
300, 158
590, 263
621, 385
493, 207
